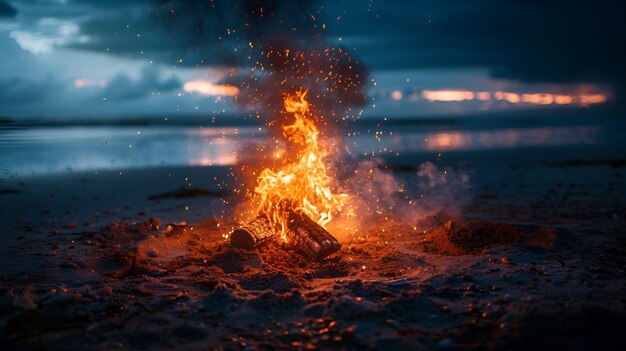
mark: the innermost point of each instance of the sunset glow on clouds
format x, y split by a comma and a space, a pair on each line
67, 57
208, 88
90, 83
504, 96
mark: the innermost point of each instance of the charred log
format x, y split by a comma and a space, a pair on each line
252, 234
308, 237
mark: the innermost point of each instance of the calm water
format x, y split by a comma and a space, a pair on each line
41, 150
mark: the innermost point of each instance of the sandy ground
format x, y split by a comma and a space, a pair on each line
90, 262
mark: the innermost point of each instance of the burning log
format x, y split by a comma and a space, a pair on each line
313, 241
252, 234
308, 237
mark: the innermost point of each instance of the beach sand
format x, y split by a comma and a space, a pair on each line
89, 262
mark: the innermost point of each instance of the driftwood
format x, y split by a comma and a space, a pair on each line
252, 234
308, 237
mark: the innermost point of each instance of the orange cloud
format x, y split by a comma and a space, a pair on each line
512, 98
586, 100
447, 95
90, 83
206, 87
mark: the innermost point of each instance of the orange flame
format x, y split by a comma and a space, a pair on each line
301, 185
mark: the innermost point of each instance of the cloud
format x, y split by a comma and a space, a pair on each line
46, 35
15, 90
527, 40
123, 87
209, 88
6, 10
194, 32
23, 78
130, 30
531, 41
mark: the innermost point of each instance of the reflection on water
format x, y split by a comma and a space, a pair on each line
458, 140
507, 138
52, 150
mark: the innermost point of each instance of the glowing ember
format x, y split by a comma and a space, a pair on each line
301, 184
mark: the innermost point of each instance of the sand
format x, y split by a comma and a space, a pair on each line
106, 262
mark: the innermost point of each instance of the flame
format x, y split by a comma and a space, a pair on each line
302, 184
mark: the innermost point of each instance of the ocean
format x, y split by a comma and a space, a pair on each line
42, 147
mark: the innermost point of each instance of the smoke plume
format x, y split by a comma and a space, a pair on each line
422, 200
276, 48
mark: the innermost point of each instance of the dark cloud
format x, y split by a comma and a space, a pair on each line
126, 33
544, 41
527, 40
122, 87
228, 32
22, 80
283, 44
18, 90
6, 10
110, 4
194, 32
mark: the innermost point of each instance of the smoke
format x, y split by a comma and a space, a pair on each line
443, 189
277, 47
423, 200
221, 31
336, 82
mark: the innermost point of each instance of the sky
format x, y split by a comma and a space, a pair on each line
159, 58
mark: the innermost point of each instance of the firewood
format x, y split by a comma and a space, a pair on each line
252, 234
308, 237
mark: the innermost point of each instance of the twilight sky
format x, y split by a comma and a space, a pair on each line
433, 57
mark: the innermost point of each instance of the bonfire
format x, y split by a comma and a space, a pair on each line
297, 201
